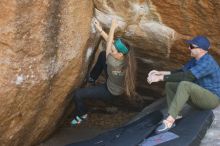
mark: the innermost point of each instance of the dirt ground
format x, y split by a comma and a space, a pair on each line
96, 123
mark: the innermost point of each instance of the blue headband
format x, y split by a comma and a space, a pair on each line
120, 46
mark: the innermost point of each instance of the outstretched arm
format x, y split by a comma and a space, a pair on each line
110, 47
102, 32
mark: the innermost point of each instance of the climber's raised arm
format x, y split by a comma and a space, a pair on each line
110, 47
102, 32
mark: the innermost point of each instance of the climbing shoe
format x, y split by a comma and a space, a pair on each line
164, 127
78, 119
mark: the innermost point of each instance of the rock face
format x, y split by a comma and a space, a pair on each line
43, 46
158, 29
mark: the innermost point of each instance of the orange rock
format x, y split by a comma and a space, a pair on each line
43, 48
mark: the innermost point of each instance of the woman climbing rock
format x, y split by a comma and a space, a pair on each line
119, 65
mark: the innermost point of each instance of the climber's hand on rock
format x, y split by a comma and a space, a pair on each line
97, 25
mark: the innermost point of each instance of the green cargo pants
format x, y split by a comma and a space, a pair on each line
179, 93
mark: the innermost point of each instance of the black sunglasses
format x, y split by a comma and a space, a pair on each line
191, 46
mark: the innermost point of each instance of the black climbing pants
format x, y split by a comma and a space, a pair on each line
99, 66
98, 92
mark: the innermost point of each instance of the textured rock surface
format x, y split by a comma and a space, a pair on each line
42, 57
158, 28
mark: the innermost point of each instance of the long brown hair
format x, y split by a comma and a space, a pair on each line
130, 72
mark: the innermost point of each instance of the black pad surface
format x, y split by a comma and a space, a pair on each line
129, 135
191, 129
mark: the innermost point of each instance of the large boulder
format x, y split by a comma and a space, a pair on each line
43, 56
157, 29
